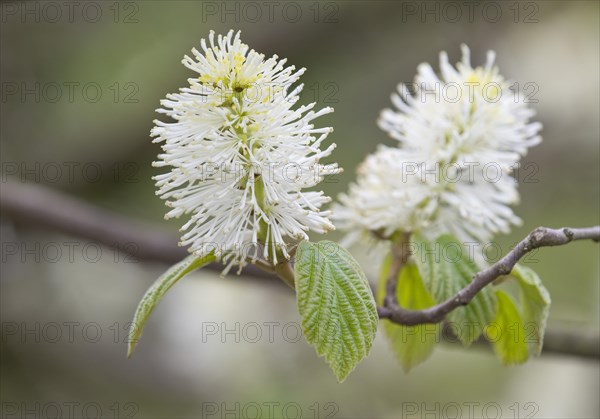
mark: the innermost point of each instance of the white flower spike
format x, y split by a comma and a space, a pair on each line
240, 156
460, 136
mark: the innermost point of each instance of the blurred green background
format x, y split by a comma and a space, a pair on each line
355, 52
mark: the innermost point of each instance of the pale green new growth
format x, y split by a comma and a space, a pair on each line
158, 290
535, 305
446, 268
411, 344
339, 316
507, 332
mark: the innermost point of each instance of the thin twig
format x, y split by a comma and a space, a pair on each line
540, 237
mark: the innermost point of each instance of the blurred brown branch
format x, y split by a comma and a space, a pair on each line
41, 206
44, 207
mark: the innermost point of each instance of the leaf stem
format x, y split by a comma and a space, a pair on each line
400, 255
262, 264
285, 271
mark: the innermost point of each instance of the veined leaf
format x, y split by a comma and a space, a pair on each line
411, 344
535, 305
507, 332
339, 316
446, 268
158, 290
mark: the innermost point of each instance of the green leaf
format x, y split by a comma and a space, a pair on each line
411, 344
535, 305
446, 268
507, 332
339, 316
158, 290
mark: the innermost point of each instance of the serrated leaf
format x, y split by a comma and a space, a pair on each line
507, 332
411, 344
446, 268
157, 291
339, 316
535, 305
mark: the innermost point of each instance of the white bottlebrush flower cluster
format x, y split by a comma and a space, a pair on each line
240, 156
460, 137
